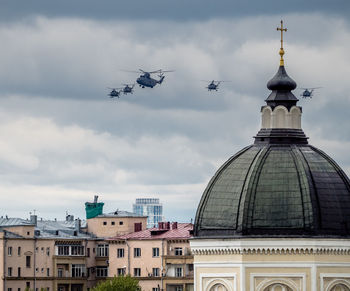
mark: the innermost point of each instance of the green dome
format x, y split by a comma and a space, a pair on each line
276, 190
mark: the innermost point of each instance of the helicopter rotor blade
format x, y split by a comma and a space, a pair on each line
129, 71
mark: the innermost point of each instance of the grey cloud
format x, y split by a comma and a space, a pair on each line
62, 138
160, 9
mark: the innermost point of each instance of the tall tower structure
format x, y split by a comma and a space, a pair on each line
276, 215
150, 207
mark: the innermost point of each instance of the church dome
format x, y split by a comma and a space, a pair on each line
280, 185
276, 190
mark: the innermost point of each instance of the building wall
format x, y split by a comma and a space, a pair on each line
103, 226
146, 262
166, 262
297, 264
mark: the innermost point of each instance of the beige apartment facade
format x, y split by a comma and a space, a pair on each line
159, 257
59, 255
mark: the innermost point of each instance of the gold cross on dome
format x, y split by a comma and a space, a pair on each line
281, 29
281, 50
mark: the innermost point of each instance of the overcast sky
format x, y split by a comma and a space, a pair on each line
62, 140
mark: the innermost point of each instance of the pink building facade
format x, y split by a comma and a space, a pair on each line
159, 257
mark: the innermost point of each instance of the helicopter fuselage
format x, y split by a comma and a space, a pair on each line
114, 93
146, 81
213, 86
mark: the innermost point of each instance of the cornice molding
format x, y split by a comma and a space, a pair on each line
270, 247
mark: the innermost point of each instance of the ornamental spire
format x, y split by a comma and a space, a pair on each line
281, 49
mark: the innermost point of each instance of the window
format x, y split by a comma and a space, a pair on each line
18, 289
77, 250
101, 272
48, 272
9, 289
155, 252
60, 288
60, 272
137, 272
27, 284
37, 270
121, 222
120, 253
48, 251
28, 232
28, 261
155, 272
9, 271
19, 251
137, 226
42, 250
113, 222
105, 223
121, 271
178, 272
155, 289
19, 272
178, 288
9, 251
63, 250
137, 252
178, 251
102, 250
78, 270
88, 252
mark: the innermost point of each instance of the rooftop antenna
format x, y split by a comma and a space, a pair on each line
95, 198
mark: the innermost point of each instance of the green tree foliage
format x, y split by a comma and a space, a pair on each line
120, 283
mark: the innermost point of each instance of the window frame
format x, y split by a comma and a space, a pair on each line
120, 253
155, 252
137, 272
178, 251
178, 272
137, 252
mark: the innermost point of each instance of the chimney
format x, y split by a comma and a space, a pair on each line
69, 217
77, 225
174, 225
34, 219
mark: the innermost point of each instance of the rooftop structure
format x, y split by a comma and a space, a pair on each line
150, 207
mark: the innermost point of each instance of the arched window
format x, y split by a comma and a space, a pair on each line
280, 117
218, 287
278, 287
296, 117
266, 117
340, 287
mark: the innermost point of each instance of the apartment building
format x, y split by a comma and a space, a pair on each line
159, 257
69, 255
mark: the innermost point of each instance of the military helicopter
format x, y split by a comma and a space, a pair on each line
145, 79
213, 85
115, 92
308, 92
128, 88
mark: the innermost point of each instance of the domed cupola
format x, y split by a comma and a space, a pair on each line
280, 185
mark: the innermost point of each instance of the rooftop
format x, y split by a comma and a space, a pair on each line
167, 231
